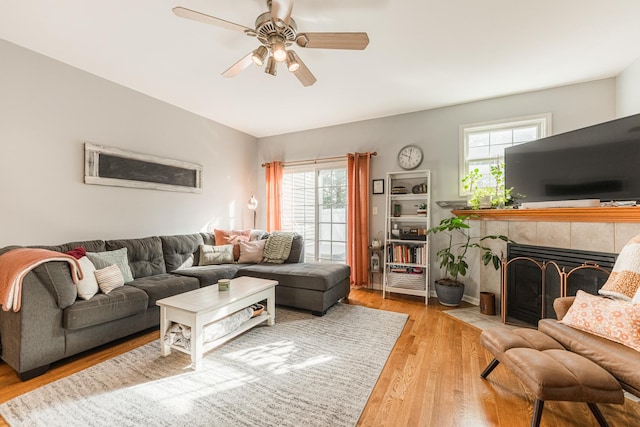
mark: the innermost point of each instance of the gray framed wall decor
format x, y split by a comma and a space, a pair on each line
121, 168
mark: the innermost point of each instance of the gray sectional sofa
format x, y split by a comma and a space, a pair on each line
53, 323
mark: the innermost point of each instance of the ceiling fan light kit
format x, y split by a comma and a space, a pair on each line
292, 61
259, 55
278, 48
271, 66
276, 30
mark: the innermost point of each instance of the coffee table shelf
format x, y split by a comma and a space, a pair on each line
203, 306
245, 326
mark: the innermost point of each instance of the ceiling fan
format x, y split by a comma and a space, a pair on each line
277, 31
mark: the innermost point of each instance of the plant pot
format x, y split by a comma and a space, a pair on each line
449, 293
485, 202
421, 212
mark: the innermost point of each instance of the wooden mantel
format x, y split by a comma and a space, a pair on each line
599, 214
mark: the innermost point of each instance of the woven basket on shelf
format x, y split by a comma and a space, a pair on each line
257, 309
406, 280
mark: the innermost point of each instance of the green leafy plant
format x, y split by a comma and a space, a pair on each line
421, 206
453, 257
470, 181
499, 194
502, 195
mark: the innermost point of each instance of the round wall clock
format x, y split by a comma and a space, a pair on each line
410, 157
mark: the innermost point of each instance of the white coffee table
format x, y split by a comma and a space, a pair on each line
202, 306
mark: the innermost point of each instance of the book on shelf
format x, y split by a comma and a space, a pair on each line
406, 254
399, 190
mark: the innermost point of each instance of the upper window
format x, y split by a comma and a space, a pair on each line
482, 144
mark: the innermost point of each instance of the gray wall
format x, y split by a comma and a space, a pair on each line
436, 131
49, 109
628, 90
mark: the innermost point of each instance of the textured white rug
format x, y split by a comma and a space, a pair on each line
304, 371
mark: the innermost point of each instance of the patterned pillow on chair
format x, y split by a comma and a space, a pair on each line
624, 281
615, 320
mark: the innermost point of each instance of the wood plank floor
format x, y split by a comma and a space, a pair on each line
432, 377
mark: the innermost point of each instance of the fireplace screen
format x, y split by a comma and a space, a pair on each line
534, 276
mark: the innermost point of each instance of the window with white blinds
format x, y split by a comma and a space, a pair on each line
314, 204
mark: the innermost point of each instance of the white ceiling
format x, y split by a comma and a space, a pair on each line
422, 53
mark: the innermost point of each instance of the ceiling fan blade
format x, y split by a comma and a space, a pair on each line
355, 41
303, 74
239, 66
183, 12
281, 11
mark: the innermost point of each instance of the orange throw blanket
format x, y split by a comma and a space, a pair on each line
16, 263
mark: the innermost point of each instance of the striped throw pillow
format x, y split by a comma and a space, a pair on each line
109, 278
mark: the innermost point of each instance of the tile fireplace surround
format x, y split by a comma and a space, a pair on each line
592, 229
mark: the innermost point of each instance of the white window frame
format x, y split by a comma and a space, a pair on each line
316, 168
542, 121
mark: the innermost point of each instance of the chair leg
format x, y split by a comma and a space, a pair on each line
537, 413
596, 413
490, 367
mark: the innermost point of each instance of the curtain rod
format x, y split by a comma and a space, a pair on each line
314, 161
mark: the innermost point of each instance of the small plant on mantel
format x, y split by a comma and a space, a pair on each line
487, 197
453, 256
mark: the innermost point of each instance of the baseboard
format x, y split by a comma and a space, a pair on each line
471, 300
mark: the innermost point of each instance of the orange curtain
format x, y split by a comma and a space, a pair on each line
274, 192
358, 217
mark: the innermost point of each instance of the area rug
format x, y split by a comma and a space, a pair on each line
303, 371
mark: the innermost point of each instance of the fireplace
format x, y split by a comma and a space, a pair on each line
534, 276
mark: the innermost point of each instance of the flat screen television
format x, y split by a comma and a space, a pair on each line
596, 162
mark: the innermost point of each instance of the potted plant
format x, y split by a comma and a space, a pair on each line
453, 257
421, 209
486, 197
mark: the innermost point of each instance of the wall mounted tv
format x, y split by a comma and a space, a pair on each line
596, 162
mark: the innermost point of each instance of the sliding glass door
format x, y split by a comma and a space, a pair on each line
314, 204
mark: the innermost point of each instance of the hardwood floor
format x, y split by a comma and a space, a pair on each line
432, 377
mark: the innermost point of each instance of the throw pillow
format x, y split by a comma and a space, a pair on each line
212, 255
251, 252
109, 278
615, 320
636, 298
77, 253
88, 286
225, 237
278, 247
624, 281
118, 257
